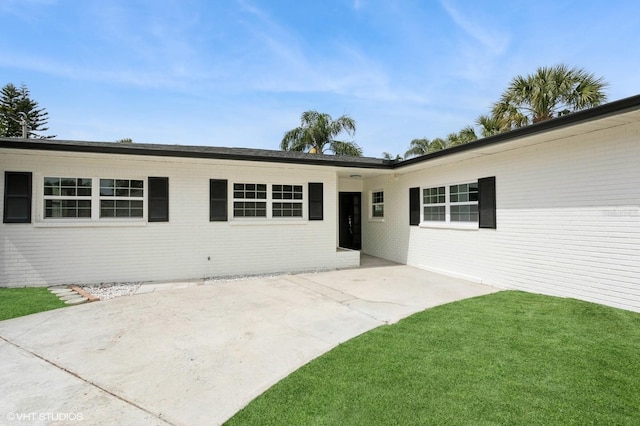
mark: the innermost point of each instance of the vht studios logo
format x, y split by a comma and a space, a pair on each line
44, 417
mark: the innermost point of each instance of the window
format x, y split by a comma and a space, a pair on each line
17, 197
434, 200
67, 197
251, 195
452, 203
464, 202
121, 198
292, 208
269, 201
377, 204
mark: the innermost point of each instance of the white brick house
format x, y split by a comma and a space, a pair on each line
552, 208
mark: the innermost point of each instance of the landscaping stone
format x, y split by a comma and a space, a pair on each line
76, 300
61, 292
73, 295
68, 295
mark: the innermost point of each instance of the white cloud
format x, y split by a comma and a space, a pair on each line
495, 42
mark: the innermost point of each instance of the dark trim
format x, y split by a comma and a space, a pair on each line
414, 206
158, 204
487, 202
218, 204
17, 197
612, 108
272, 156
316, 201
186, 151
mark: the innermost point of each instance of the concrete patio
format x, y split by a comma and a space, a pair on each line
198, 354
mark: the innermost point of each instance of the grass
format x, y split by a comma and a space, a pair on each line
17, 302
505, 358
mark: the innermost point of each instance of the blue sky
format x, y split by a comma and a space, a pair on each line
239, 73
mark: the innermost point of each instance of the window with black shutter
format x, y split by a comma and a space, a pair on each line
17, 197
218, 200
158, 206
414, 206
487, 202
316, 208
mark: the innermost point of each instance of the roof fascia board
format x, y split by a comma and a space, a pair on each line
180, 153
596, 113
584, 116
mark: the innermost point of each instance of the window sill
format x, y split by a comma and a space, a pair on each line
88, 223
267, 222
463, 226
376, 219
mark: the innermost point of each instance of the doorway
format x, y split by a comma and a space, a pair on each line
349, 220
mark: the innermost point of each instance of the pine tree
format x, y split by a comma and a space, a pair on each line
16, 105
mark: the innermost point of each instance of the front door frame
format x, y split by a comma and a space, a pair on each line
350, 220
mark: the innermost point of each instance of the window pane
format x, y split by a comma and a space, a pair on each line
466, 213
107, 187
51, 181
434, 195
434, 213
249, 209
287, 210
463, 193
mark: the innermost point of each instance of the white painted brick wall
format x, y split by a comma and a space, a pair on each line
33, 255
568, 215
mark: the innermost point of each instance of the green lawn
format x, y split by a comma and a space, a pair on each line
16, 302
505, 358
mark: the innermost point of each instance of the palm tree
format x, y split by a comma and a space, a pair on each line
465, 135
317, 134
425, 146
417, 148
388, 156
438, 144
550, 92
490, 125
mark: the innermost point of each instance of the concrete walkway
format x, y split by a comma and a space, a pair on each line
197, 355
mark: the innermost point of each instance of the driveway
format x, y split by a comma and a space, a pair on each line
197, 355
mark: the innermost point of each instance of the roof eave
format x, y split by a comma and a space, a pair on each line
181, 152
591, 114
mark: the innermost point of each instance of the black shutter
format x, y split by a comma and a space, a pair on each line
218, 200
158, 207
17, 197
414, 206
316, 208
487, 202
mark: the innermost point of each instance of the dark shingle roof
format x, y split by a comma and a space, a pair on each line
273, 156
246, 154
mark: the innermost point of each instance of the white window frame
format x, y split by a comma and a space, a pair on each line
129, 198
95, 219
61, 197
436, 204
462, 203
293, 200
269, 203
447, 222
244, 199
373, 204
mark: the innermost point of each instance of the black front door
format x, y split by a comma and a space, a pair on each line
349, 218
